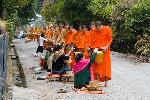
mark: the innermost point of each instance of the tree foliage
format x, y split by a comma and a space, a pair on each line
1, 8
68, 11
142, 46
17, 12
77, 10
138, 18
103, 8
23, 9
52, 10
122, 41
130, 22
12, 6
29, 11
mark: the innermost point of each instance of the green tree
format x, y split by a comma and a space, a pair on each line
1, 8
138, 18
129, 22
52, 10
103, 9
18, 11
12, 6
121, 39
29, 11
77, 10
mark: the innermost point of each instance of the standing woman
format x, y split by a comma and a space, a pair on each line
81, 69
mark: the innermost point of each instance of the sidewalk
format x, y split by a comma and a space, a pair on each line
130, 81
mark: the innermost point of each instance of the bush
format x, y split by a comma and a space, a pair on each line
122, 41
142, 46
103, 9
128, 23
138, 18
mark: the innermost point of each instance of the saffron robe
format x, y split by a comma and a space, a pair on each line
68, 38
78, 40
104, 38
87, 43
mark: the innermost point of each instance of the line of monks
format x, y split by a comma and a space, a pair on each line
84, 40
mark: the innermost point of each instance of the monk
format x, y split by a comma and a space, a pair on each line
78, 40
69, 36
62, 33
48, 32
34, 33
69, 41
102, 41
38, 33
45, 42
31, 33
87, 41
28, 33
93, 35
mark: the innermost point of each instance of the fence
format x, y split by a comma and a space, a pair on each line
3, 62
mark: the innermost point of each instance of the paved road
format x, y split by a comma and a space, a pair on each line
130, 80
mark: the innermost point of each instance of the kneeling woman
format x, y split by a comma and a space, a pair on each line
81, 69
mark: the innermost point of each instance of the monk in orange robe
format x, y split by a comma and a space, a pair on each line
45, 42
31, 34
93, 34
69, 36
103, 40
69, 40
38, 33
87, 41
74, 33
49, 32
78, 39
34, 33
28, 34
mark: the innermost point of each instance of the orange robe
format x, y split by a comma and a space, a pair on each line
31, 33
68, 40
63, 33
94, 39
87, 40
48, 33
73, 59
34, 34
93, 35
74, 33
38, 34
45, 42
87, 43
28, 34
69, 37
78, 40
104, 38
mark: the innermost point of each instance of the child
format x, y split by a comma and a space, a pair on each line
41, 43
